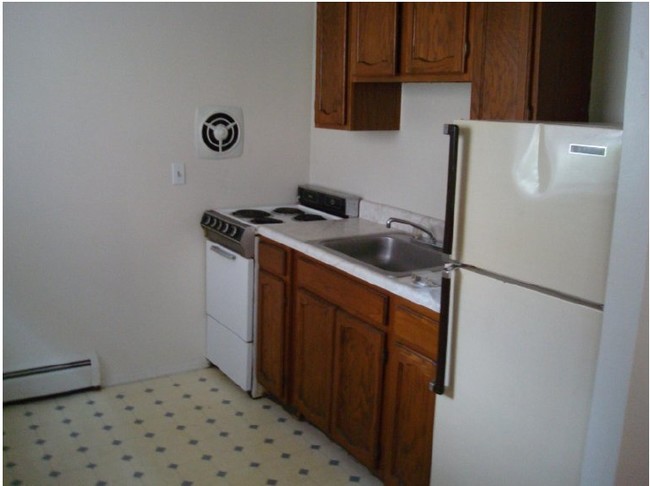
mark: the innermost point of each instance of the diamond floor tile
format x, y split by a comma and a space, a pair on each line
194, 428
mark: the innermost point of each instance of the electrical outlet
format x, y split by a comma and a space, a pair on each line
178, 173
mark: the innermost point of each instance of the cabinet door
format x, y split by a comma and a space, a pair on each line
331, 58
373, 39
313, 347
271, 332
435, 37
503, 87
357, 394
563, 61
408, 417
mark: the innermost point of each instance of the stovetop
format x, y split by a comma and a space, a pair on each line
235, 228
278, 214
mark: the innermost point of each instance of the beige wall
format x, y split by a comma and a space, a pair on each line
101, 252
406, 168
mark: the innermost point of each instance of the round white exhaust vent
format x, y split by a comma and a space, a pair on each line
219, 132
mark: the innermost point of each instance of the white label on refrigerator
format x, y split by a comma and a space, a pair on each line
594, 150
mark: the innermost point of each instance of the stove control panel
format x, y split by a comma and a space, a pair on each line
337, 203
213, 222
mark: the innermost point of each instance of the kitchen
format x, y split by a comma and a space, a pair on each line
119, 268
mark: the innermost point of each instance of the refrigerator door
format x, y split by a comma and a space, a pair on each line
534, 202
521, 373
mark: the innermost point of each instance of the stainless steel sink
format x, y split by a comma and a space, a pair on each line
393, 254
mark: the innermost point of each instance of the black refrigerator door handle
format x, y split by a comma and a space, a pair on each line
448, 238
443, 331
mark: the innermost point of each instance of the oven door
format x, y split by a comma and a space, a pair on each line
229, 305
229, 289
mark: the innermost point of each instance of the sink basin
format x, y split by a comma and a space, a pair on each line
392, 254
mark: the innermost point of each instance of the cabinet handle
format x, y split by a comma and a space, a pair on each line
223, 253
432, 386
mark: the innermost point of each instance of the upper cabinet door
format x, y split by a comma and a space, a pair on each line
535, 61
373, 39
331, 57
502, 88
435, 38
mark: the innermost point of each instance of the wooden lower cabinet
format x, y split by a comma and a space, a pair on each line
358, 384
271, 333
273, 318
408, 418
313, 355
338, 375
353, 360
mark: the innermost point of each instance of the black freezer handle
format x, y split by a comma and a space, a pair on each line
443, 330
448, 238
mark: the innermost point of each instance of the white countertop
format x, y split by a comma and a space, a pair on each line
299, 235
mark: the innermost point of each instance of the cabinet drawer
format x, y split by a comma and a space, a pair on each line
272, 258
345, 292
415, 326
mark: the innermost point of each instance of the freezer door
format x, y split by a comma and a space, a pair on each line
534, 202
521, 373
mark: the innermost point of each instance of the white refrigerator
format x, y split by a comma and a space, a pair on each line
528, 227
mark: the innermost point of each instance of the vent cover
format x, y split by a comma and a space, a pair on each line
219, 132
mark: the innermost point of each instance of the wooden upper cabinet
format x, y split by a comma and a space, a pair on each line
331, 64
373, 39
410, 42
340, 103
435, 38
563, 66
502, 89
535, 62
525, 60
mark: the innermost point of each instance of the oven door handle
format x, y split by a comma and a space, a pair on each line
223, 253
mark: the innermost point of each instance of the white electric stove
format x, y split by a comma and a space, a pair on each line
230, 271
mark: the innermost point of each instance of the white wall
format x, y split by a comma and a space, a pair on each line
101, 252
621, 384
406, 168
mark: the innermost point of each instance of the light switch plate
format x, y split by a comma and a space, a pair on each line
178, 173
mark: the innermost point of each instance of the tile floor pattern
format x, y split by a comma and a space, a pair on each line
194, 428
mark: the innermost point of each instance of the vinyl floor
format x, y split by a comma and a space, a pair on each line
194, 428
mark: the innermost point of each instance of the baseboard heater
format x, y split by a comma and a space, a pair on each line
52, 379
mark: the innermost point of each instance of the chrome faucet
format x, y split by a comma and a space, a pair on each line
430, 240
